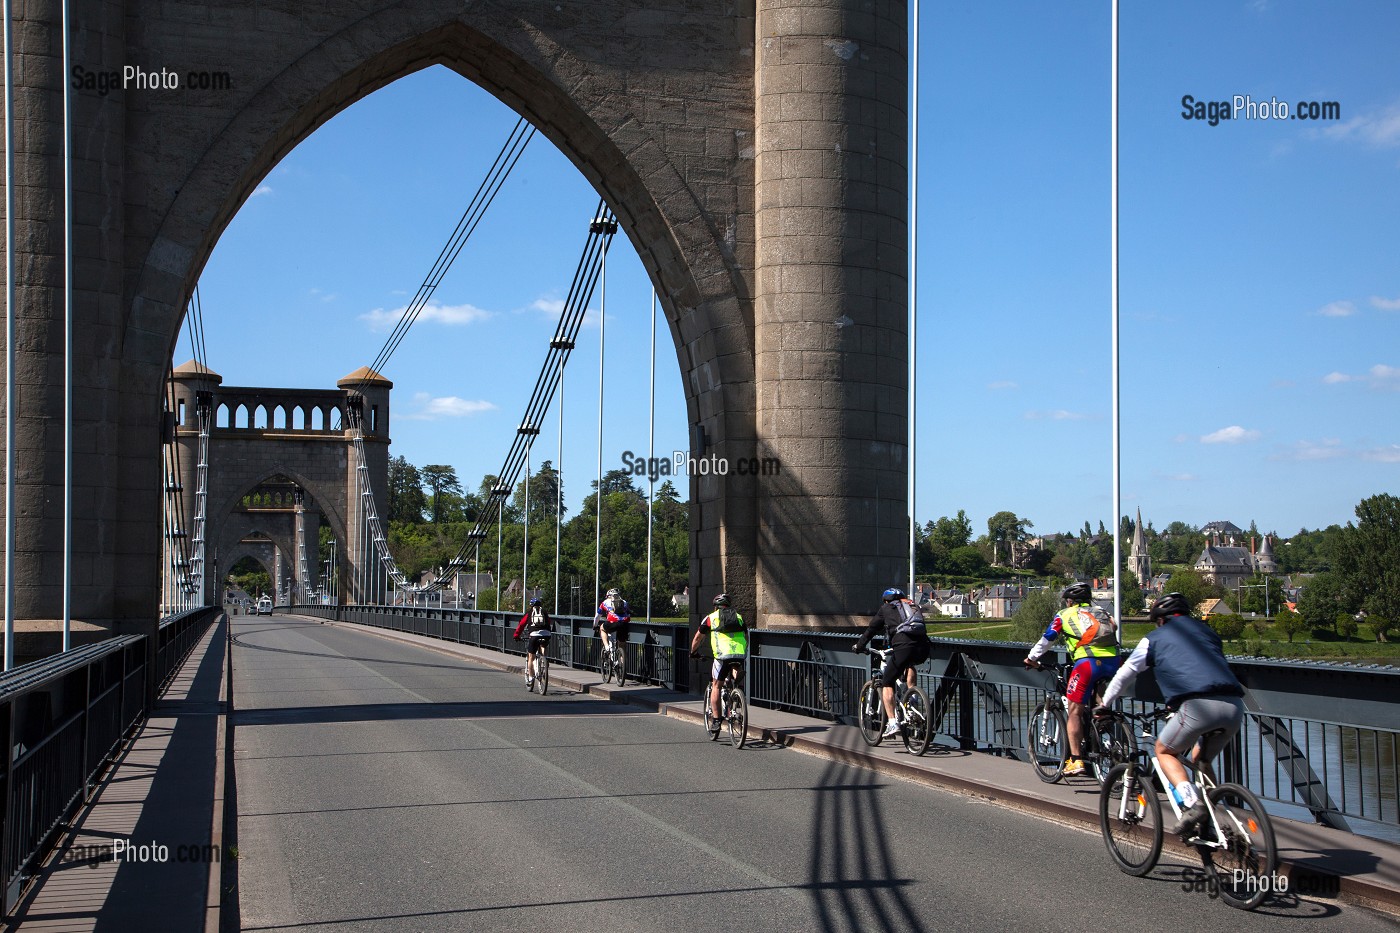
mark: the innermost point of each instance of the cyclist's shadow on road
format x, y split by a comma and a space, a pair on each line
852, 872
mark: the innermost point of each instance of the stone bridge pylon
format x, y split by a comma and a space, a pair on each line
274, 453
755, 155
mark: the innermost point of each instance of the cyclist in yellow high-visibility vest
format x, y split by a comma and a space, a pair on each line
729, 644
1086, 630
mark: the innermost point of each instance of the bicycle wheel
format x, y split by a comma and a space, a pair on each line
738, 717
542, 673
1130, 818
917, 729
1047, 742
1115, 745
620, 663
1244, 866
709, 716
605, 665
872, 713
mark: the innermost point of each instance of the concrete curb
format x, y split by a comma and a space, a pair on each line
213, 911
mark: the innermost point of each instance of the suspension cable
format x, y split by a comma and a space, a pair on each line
486, 192
600, 233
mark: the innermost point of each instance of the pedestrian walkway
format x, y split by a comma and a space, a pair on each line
163, 798
1365, 870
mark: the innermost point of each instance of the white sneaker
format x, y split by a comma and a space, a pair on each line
891, 729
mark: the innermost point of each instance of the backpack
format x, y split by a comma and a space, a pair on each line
1100, 633
911, 618
728, 620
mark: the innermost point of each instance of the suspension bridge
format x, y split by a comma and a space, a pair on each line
361, 759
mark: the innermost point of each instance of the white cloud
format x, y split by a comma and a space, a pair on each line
1058, 414
551, 306
1337, 309
428, 408
1183, 477
1389, 454
1003, 384
1385, 377
260, 190
1379, 376
1379, 129
451, 315
1234, 434
1385, 304
1309, 452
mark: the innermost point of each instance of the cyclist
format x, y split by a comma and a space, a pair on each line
541, 631
612, 618
1196, 680
902, 624
1089, 636
728, 643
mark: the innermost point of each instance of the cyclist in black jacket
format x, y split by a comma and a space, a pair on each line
903, 628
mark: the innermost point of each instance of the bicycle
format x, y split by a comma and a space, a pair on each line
613, 661
1047, 735
540, 673
911, 707
733, 707
1236, 845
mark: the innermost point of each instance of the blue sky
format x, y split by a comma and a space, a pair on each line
1260, 269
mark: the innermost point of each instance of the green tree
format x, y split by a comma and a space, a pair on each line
1133, 600
1320, 601
952, 533
1194, 586
1291, 623
1003, 529
1367, 557
1345, 625
1037, 610
440, 478
406, 501
967, 562
1227, 625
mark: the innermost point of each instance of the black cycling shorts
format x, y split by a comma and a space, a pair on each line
904, 657
538, 643
614, 628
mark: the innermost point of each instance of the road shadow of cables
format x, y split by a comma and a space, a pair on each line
852, 872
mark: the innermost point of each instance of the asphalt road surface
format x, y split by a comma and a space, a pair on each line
382, 786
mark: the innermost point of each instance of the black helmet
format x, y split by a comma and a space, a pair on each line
722, 599
893, 592
1078, 592
1170, 604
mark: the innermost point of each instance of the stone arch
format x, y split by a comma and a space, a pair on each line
761, 183
327, 499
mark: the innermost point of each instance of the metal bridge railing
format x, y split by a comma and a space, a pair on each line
63, 720
656, 651
1334, 771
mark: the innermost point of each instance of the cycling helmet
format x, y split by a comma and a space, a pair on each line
536, 601
1171, 604
613, 592
893, 592
722, 599
1078, 592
